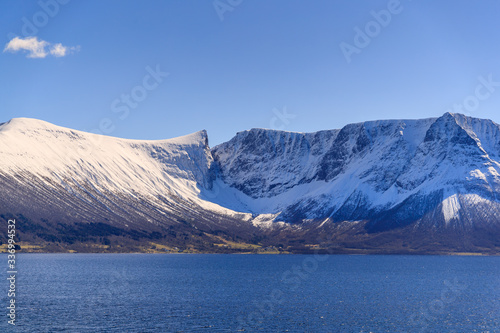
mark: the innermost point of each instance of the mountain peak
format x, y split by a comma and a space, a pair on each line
440, 174
196, 138
24, 123
453, 117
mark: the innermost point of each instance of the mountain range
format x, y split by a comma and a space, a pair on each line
388, 186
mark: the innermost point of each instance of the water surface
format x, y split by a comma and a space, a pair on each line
266, 293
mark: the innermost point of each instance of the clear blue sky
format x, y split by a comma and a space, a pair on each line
236, 73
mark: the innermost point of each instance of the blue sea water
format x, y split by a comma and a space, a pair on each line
253, 293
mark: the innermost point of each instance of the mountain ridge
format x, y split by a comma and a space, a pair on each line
263, 187
356, 141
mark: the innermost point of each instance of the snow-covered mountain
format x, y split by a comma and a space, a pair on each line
392, 177
76, 158
438, 172
64, 183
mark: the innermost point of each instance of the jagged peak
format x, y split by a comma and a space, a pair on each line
446, 128
196, 138
450, 114
366, 124
276, 132
266, 130
462, 119
447, 118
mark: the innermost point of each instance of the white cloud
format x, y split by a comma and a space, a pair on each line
38, 48
35, 48
58, 50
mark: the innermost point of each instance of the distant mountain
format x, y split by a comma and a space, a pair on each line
392, 186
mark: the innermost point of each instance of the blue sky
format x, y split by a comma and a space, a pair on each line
238, 64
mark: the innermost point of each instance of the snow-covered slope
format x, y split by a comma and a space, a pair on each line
180, 165
392, 173
430, 174
59, 174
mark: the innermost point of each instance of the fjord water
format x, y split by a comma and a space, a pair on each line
266, 293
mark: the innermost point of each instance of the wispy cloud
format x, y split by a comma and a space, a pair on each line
38, 48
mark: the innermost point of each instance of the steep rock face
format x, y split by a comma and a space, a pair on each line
406, 176
429, 172
264, 163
